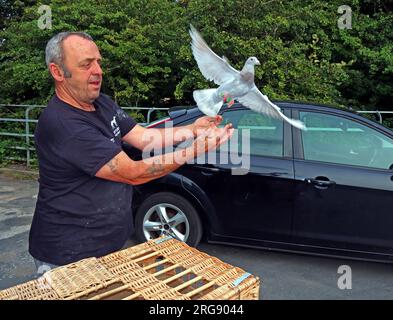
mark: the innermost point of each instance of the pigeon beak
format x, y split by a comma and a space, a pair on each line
257, 63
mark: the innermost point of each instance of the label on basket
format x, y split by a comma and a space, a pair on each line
241, 279
163, 239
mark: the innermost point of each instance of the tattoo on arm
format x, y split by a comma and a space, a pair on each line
113, 165
156, 168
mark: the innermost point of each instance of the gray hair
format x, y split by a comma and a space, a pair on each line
54, 49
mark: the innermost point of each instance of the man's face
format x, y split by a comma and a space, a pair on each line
82, 59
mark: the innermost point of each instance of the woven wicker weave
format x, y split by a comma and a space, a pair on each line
39, 289
78, 279
160, 269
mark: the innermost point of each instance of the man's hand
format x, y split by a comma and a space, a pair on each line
211, 139
204, 123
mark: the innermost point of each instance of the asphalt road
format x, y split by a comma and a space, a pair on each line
283, 275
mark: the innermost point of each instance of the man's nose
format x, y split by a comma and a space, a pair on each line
97, 68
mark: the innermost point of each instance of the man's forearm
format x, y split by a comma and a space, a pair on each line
123, 169
174, 135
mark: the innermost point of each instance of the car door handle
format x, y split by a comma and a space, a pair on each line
320, 184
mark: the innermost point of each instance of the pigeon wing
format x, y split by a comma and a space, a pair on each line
258, 102
255, 100
211, 65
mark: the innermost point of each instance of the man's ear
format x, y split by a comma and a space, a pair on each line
56, 72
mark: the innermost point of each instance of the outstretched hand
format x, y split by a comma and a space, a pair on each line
211, 138
202, 124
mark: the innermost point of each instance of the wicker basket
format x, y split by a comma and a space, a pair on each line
160, 269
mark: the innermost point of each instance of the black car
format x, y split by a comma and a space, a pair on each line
327, 190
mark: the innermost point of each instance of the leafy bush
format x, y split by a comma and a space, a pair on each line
148, 61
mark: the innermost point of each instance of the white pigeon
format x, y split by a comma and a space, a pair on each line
232, 83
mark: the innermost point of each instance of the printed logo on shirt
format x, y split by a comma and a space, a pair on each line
115, 127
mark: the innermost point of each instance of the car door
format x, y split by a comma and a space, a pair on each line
344, 187
251, 184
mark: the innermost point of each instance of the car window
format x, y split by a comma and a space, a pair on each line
265, 133
339, 140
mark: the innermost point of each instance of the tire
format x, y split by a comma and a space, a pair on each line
186, 227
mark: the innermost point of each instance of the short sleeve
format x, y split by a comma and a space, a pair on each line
126, 123
89, 150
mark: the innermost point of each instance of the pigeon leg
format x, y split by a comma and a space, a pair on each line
229, 100
225, 98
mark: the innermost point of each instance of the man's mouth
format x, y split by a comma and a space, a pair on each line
95, 83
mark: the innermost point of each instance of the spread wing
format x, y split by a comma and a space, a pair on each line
211, 65
258, 102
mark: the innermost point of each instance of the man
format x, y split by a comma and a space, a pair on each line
84, 202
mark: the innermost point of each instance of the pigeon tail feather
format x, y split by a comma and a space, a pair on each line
207, 101
296, 123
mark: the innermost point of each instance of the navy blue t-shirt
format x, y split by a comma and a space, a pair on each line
78, 215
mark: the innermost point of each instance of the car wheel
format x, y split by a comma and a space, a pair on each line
168, 213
